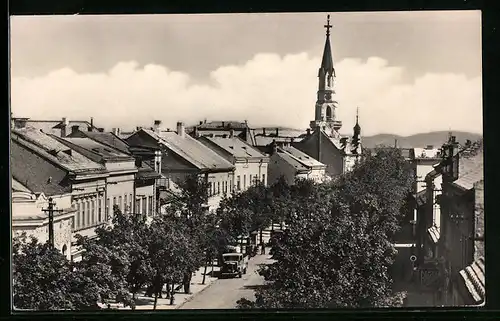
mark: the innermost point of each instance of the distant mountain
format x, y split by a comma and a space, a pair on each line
435, 139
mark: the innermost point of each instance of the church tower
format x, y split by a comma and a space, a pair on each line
325, 119
356, 137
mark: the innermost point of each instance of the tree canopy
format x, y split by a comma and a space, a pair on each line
337, 248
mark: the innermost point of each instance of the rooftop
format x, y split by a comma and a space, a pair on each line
470, 170
19, 187
96, 147
50, 148
235, 146
108, 139
298, 159
220, 124
191, 150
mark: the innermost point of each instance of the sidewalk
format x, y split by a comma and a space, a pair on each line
147, 303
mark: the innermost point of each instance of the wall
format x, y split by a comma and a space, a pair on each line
331, 157
317, 175
120, 187
278, 167
424, 166
249, 170
87, 195
28, 217
145, 197
479, 219
219, 184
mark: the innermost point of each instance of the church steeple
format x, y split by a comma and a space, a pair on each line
327, 61
324, 118
356, 137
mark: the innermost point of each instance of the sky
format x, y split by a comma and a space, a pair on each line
408, 72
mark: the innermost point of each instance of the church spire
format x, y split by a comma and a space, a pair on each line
327, 61
356, 138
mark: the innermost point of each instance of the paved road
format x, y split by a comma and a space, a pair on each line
224, 293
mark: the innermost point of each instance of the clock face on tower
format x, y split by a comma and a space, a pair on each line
328, 96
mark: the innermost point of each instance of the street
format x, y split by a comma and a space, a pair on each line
224, 293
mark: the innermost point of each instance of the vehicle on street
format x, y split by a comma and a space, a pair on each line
233, 264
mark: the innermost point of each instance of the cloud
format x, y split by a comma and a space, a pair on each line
267, 90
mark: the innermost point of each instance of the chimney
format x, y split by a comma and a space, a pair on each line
277, 132
100, 130
156, 126
195, 131
223, 125
138, 128
75, 128
308, 131
205, 121
115, 130
91, 121
231, 133
180, 129
201, 122
64, 127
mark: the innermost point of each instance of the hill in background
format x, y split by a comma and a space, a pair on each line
435, 139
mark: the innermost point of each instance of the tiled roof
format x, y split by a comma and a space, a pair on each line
95, 147
109, 139
191, 150
470, 170
297, 159
19, 187
235, 146
50, 126
52, 149
302, 157
37, 173
473, 277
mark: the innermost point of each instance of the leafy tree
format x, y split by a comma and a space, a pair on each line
337, 249
44, 279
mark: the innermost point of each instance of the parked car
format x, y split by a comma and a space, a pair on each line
233, 264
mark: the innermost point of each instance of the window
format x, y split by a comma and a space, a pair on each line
114, 203
244, 181
264, 179
144, 205
64, 249
256, 180
238, 182
231, 186
78, 215
99, 210
150, 202
93, 212
218, 188
125, 204
138, 206
131, 208
83, 214
107, 210
120, 204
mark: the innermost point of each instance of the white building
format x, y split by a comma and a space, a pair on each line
28, 217
251, 165
291, 163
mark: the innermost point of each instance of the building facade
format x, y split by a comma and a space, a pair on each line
28, 217
182, 155
44, 165
292, 164
251, 166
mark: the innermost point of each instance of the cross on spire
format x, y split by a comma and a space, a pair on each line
328, 25
357, 114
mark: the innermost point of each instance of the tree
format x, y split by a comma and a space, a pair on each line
43, 279
337, 249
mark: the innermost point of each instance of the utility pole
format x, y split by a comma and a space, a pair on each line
51, 211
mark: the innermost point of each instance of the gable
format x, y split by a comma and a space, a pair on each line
141, 139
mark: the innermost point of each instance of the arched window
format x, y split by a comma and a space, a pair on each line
64, 249
328, 113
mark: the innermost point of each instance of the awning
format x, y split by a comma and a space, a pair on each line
473, 279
